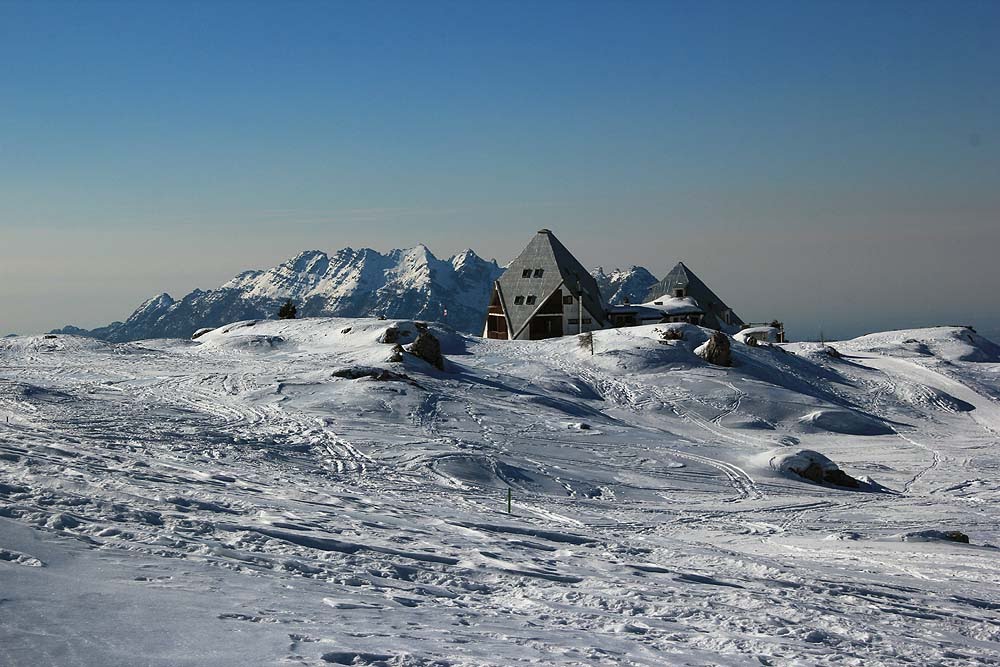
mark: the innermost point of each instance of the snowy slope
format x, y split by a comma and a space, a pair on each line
278, 492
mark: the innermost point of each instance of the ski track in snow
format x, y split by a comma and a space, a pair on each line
254, 508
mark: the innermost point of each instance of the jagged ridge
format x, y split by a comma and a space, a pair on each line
409, 283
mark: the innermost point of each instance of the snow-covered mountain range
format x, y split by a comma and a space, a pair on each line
632, 284
409, 283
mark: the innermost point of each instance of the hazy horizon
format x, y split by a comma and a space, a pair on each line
833, 166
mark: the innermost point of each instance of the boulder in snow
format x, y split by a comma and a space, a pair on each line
390, 336
428, 348
370, 372
672, 333
396, 356
934, 535
716, 350
812, 466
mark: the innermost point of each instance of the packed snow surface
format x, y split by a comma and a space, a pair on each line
280, 493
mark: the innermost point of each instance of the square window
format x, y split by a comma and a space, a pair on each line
568, 299
530, 300
518, 300
526, 273
539, 272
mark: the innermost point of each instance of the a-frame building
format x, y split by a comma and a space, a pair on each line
682, 282
544, 293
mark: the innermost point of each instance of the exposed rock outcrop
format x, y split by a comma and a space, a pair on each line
716, 351
812, 466
428, 348
933, 535
396, 356
390, 336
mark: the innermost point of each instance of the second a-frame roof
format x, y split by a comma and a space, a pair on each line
559, 267
682, 276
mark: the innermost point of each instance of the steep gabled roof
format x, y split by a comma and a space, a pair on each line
559, 267
682, 276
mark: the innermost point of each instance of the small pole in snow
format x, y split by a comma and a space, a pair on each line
508, 499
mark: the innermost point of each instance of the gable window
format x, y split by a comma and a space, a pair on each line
539, 272
518, 300
530, 300
568, 299
586, 320
526, 273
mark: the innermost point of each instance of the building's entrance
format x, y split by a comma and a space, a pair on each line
545, 326
548, 322
496, 326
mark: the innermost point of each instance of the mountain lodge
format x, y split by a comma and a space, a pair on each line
546, 293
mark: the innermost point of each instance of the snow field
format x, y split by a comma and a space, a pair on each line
244, 499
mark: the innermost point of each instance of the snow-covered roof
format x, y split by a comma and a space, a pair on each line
665, 306
769, 334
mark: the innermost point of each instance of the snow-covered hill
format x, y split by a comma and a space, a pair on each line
410, 283
296, 492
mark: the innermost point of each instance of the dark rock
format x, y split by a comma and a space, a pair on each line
379, 374
396, 357
841, 478
716, 351
931, 535
62, 521
390, 336
813, 472
428, 348
672, 333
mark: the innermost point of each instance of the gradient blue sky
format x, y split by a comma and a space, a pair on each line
834, 164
